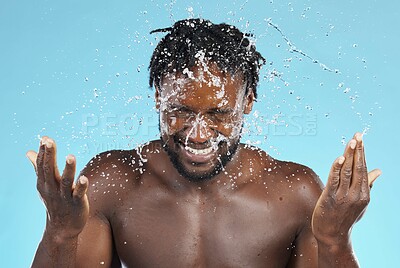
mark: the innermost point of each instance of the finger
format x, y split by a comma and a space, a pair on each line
32, 156
334, 175
53, 149
39, 164
360, 181
50, 166
80, 188
347, 169
67, 178
372, 176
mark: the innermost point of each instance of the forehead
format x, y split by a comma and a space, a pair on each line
203, 85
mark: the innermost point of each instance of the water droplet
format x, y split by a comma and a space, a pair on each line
343, 140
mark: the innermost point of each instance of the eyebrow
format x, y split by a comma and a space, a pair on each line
180, 106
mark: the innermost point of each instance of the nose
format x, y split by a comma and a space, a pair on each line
199, 131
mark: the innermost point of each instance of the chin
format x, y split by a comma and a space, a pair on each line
200, 171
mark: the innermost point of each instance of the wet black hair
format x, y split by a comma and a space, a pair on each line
222, 44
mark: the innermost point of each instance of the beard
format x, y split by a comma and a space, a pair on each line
227, 150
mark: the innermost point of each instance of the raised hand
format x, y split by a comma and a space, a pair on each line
66, 202
345, 197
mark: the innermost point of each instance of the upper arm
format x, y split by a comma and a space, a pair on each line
305, 251
95, 242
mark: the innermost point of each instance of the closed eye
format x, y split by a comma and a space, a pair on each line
220, 111
180, 109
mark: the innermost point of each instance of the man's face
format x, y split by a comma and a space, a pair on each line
201, 116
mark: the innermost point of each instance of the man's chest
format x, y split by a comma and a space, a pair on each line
233, 232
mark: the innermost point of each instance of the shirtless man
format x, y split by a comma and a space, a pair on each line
198, 197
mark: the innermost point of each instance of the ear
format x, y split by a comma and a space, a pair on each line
249, 100
157, 97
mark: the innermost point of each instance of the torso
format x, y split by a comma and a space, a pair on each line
250, 219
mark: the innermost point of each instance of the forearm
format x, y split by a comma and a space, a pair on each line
336, 256
54, 251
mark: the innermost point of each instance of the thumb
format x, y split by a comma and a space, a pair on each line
373, 175
32, 156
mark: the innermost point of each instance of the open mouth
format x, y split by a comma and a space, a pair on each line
199, 151
195, 155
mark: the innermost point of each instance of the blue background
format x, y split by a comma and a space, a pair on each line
77, 71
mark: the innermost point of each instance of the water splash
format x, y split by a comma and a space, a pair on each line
294, 49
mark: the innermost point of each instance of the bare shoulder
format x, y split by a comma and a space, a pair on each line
111, 163
300, 181
112, 175
297, 184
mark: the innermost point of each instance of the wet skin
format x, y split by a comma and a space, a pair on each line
160, 219
142, 212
